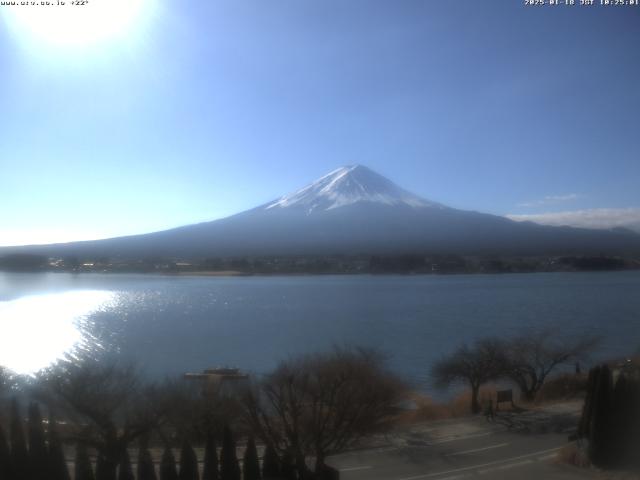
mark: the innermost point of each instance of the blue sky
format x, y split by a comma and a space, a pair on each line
201, 109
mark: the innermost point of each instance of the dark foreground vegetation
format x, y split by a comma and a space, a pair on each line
331, 264
610, 425
104, 423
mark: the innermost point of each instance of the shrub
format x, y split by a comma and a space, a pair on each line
168, 469
188, 463
146, 470
229, 468
57, 461
83, 469
270, 463
103, 472
38, 453
125, 470
287, 467
250, 464
19, 453
210, 471
5, 456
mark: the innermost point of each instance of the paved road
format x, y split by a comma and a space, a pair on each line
456, 450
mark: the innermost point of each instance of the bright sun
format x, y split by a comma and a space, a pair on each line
76, 23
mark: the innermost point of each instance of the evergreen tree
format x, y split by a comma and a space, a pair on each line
229, 468
587, 409
210, 471
287, 467
57, 461
146, 470
125, 470
188, 462
19, 452
83, 470
625, 426
270, 463
102, 469
600, 424
634, 444
619, 421
611, 419
38, 454
250, 463
5, 456
168, 470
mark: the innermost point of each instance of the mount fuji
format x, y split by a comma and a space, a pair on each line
352, 210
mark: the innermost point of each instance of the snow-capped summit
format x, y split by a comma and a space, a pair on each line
349, 185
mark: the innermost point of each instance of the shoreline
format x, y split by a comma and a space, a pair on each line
237, 273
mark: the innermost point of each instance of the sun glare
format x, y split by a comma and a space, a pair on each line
38, 330
76, 23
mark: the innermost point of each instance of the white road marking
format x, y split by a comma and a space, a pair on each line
464, 452
456, 439
547, 457
353, 469
475, 467
355, 453
387, 449
505, 467
392, 449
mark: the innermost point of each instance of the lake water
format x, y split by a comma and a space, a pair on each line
171, 325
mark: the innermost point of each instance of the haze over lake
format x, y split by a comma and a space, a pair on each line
171, 325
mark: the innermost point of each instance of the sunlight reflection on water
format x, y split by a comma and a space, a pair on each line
37, 330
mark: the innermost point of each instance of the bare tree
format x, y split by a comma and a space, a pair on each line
179, 405
533, 356
476, 365
319, 405
192, 409
104, 401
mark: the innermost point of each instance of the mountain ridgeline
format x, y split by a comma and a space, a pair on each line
352, 211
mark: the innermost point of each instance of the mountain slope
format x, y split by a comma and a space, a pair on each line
353, 210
